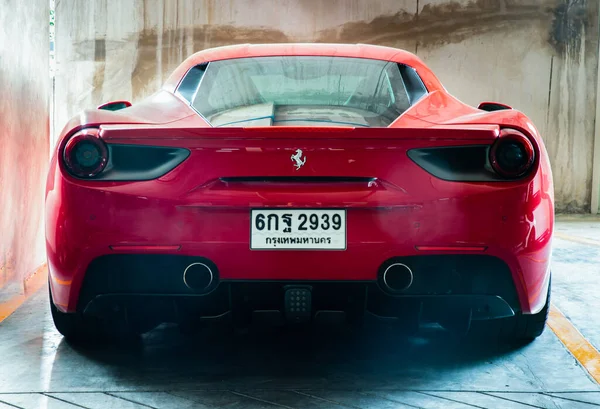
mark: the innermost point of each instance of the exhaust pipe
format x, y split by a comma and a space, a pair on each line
198, 276
397, 278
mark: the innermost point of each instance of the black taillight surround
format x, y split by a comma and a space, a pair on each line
122, 162
474, 163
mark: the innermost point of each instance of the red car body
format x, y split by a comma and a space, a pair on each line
201, 208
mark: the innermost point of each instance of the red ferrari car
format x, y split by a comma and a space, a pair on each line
300, 183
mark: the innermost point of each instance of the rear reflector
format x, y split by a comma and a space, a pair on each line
451, 248
144, 248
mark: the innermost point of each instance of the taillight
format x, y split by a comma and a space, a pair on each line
512, 155
85, 154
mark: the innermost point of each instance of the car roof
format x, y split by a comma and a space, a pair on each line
374, 52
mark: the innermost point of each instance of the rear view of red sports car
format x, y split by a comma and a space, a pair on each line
300, 183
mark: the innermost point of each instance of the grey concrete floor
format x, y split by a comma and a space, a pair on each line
38, 369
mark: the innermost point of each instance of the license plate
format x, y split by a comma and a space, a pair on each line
298, 229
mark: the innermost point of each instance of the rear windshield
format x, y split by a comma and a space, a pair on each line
301, 91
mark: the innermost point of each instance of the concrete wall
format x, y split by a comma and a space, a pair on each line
24, 131
540, 56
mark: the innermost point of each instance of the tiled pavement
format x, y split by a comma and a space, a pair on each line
322, 399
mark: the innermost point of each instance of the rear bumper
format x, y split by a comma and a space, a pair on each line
512, 223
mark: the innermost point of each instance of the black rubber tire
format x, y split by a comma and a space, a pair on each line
521, 328
71, 325
80, 329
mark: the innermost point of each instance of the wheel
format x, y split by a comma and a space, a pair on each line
528, 327
71, 325
77, 328
517, 329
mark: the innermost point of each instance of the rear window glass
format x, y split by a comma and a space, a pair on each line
301, 91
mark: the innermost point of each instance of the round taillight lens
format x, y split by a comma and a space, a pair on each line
512, 155
86, 155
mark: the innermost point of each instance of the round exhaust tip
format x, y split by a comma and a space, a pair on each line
397, 278
198, 276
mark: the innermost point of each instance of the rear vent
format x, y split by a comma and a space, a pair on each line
307, 179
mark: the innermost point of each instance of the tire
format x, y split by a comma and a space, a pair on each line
80, 329
521, 328
72, 326
529, 327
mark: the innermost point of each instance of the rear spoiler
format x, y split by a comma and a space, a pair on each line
483, 133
